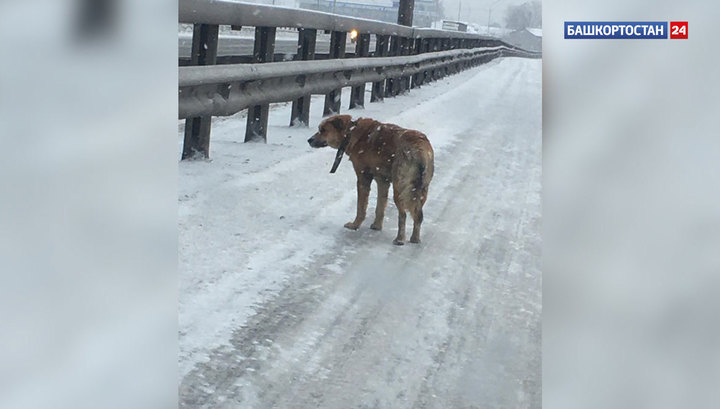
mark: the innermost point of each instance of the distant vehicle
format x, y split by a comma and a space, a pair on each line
454, 26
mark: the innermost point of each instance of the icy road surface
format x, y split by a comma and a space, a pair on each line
281, 307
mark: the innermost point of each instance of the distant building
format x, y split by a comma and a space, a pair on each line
454, 25
426, 11
528, 39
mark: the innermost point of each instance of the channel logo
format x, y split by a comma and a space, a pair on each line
679, 30
626, 29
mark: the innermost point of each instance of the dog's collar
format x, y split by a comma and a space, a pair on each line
343, 146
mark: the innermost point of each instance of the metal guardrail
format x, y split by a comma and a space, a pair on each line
404, 58
223, 90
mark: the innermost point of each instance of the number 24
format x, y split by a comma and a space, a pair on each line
679, 30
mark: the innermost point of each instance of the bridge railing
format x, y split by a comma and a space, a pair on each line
404, 58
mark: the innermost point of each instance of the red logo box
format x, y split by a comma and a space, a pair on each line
679, 29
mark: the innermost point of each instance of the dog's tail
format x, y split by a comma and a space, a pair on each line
424, 174
416, 173
425, 170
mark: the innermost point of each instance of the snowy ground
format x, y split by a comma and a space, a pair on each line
281, 307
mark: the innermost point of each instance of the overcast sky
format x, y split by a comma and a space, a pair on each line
476, 11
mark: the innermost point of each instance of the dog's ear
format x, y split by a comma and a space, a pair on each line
338, 123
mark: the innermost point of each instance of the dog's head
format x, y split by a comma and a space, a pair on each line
331, 132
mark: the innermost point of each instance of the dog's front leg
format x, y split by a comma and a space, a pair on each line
363, 191
382, 199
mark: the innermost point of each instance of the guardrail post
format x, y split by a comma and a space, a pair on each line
434, 46
427, 47
445, 47
391, 84
417, 79
337, 50
196, 144
381, 50
300, 114
362, 49
257, 116
406, 45
431, 47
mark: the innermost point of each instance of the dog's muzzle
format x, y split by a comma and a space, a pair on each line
315, 143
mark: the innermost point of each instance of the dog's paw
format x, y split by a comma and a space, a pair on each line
376, 226
351, 226
398, 242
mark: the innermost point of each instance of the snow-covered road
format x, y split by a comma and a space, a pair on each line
281, 307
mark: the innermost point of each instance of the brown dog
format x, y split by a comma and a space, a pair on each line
386, 153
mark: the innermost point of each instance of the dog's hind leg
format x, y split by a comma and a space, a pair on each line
363, 191
382, 199
400, 239
417, 215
